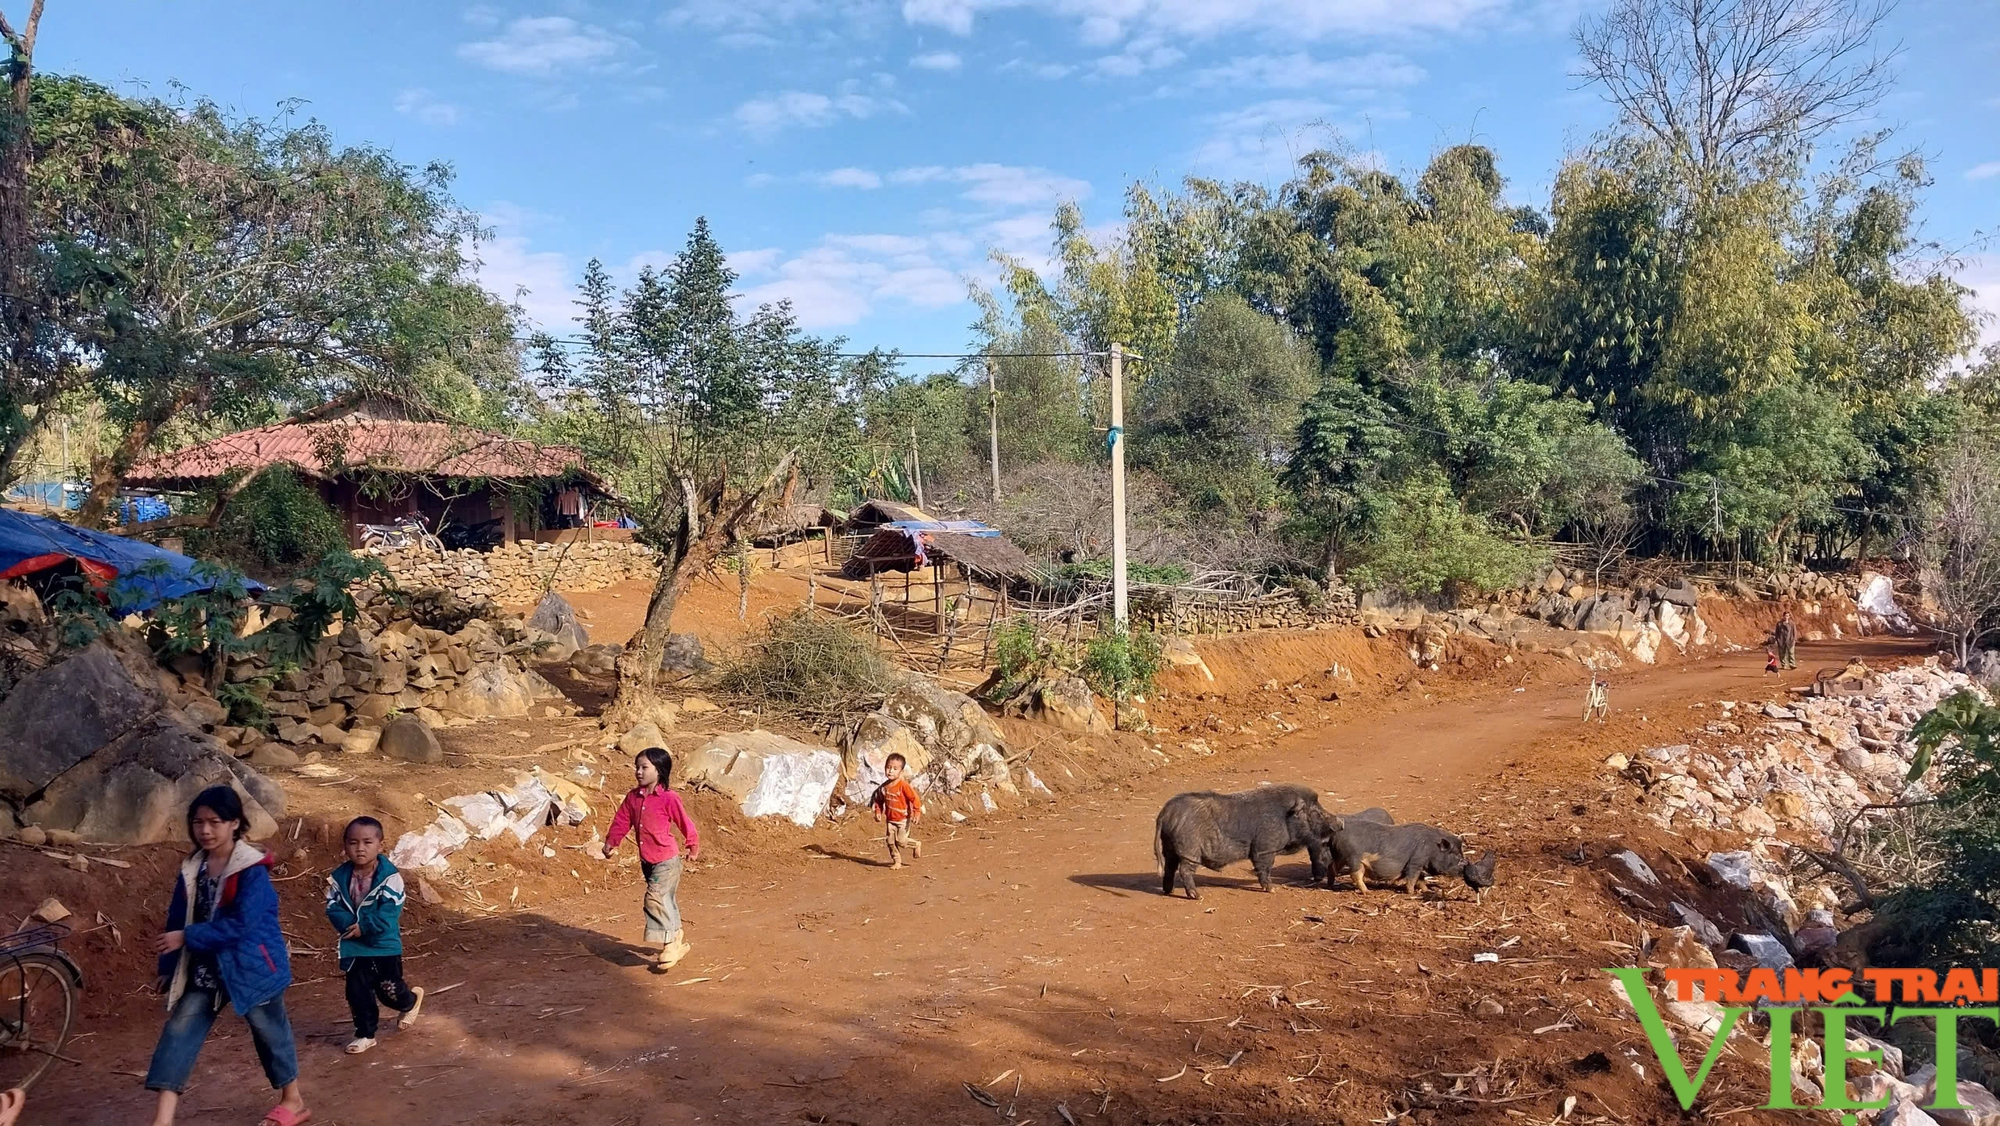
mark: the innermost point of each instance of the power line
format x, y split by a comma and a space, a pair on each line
880, 353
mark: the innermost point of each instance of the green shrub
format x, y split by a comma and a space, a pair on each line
278, 523
1950, 915
809, 665
1122, 664
1429, 544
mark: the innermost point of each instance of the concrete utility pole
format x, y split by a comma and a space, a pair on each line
1118, 485
993, 421
917, 466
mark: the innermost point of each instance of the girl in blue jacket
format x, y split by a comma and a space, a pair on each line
222, 945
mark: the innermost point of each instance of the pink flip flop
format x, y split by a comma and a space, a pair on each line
283, 1117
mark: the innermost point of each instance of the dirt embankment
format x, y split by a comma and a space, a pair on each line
1029, 954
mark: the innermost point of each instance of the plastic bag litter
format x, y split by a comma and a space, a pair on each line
528, 810
1878, 597
429, 846
794, 786
485, 815
986, 800
1035, 783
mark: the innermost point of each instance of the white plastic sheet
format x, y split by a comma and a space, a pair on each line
794, 786
429, 846
1878, 598
484, 814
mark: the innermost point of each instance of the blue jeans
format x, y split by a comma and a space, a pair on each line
187, 1027
663, 909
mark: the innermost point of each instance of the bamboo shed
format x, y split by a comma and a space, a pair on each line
972, 556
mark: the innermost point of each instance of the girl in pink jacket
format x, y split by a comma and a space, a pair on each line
656, 813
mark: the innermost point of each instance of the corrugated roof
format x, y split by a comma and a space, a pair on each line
324, 449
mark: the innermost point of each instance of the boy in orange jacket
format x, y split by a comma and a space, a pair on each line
898, 802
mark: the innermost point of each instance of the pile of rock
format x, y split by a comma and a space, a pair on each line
108, 746
518, 573
1807, 766
948, 742
389, 663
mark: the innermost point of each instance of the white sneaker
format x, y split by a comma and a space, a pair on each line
410, 1017
359, 1045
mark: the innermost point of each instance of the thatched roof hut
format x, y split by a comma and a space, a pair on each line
909, 545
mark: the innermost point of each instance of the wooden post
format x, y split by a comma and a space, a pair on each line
993, 421
937, 593
917, 466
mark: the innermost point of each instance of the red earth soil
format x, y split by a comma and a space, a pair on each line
1029, 953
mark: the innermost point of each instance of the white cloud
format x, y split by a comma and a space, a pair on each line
1047, 71
1107, 21
1001, 185
425, 107
845, 277
937, 60
1299, 70
749, 263
1139, 56
538, 279
851, 178
1984, 171
1266, 138
810, 110
545, 45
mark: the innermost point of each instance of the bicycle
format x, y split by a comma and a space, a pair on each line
1596, 701
38, 990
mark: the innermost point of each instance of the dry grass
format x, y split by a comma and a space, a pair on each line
809, 665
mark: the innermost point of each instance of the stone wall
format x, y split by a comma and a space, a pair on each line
1282, 609
517, 575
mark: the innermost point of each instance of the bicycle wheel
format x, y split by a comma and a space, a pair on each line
37, 1003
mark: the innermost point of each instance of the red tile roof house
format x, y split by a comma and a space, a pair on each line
373, 461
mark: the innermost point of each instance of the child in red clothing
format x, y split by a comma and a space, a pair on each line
653, 813
899, 803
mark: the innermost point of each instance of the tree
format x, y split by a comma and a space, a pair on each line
696, 412
1732, 88
1957, 533
231, 267
36, 361
1219, 419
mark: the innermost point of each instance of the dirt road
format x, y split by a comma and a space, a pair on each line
1034, 957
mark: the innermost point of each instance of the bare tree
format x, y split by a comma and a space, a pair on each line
1610, 540
1957, 533
1723, 84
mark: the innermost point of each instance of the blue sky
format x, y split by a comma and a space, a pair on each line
862, 157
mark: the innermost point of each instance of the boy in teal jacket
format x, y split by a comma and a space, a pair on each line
364, 902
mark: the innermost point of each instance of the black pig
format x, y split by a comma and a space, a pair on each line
1212, 830
1479, 873
1405, 853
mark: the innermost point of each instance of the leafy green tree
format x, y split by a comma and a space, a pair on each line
1218, 421
229, 267
1429, 544
1344, 465
701, 415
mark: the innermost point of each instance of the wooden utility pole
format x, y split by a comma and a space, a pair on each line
916, 466
1118, 615
993, 424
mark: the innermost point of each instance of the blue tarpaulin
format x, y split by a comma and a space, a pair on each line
55, 494
135, 576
